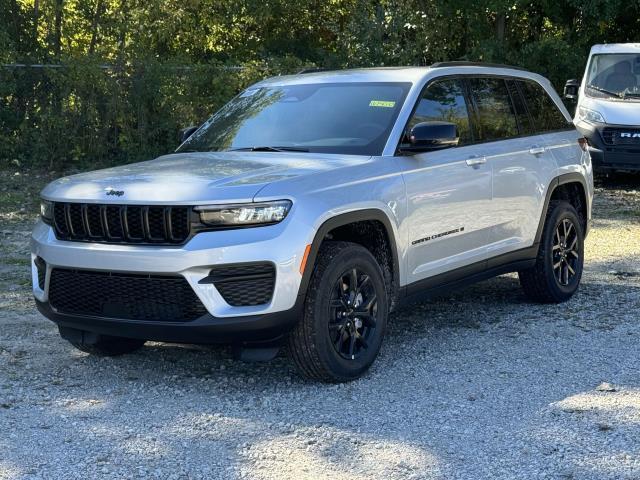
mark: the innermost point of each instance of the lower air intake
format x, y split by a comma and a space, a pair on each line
124, 296
244, 285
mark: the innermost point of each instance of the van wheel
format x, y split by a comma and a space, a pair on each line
345, 315
100, 345
558, 269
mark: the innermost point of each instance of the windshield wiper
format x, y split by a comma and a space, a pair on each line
268, 149
604, 90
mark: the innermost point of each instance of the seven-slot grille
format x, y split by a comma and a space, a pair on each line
121, 223
621, 136
117, 295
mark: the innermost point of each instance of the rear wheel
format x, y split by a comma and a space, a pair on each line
101, 345
345, 315
558, 269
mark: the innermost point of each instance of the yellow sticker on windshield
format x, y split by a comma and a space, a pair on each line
382, 103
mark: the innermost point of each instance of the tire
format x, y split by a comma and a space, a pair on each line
559, 264
100, 345
331, 342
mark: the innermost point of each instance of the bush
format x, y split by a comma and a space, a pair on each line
83, 114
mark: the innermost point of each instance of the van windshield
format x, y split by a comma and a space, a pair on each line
614, 76
347, 118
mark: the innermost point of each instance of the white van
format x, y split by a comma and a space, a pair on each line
608, 110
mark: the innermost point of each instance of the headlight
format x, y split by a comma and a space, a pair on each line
590, 115
46, 211
244, 215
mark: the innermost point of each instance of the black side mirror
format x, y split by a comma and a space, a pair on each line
185, 133
426, 136
571, 89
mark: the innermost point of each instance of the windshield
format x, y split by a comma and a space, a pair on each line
614, 76
347, 118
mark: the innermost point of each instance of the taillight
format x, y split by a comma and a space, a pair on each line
584, 144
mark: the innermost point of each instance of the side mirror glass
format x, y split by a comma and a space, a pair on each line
426, 136
571, 89
185, 133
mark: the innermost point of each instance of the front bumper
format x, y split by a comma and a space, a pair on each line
607, 156
204, 330
193, 261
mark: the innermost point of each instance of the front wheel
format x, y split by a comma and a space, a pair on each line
558, 269
345, 315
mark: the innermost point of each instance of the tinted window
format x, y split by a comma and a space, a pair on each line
444, 101
544, 112
496, 117
524, 122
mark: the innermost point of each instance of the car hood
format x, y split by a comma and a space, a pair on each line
615, 112
192, 178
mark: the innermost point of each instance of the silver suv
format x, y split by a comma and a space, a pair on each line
311, 206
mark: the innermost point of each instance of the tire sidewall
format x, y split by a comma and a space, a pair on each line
359, 257
562, 211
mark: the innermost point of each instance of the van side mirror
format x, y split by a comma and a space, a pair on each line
571, 89
185, 133
427, 136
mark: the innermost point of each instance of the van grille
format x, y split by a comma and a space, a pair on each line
621, 136
124, 296
83, 222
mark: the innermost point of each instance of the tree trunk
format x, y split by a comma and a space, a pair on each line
36, 19
95, 25
501, 23
57, 35
122, 35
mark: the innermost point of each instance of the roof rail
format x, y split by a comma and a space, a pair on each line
474, 64
314, 70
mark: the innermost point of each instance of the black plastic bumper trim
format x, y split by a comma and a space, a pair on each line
207, 329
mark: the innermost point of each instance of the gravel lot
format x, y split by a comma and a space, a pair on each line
478, 385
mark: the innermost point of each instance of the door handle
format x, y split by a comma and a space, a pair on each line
537, 150
476, 160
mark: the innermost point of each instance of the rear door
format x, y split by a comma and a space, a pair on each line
519, 159
558, 135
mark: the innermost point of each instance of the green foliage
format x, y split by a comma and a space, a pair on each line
169, 61
85, 114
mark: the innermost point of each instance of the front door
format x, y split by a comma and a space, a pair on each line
448, 191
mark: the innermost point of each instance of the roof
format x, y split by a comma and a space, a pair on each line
394, 74
616, 48
380, 74
475, 64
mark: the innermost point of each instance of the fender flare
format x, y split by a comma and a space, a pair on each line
369, 214
573, 177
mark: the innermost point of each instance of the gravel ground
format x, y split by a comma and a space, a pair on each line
477, 385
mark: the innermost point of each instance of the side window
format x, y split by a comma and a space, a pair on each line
444, 101
524, 122
496, 116
545, 113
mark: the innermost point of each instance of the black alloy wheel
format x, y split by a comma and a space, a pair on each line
566, 256
352, 313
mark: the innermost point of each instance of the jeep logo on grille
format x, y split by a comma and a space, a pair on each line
629, 134
113, 191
